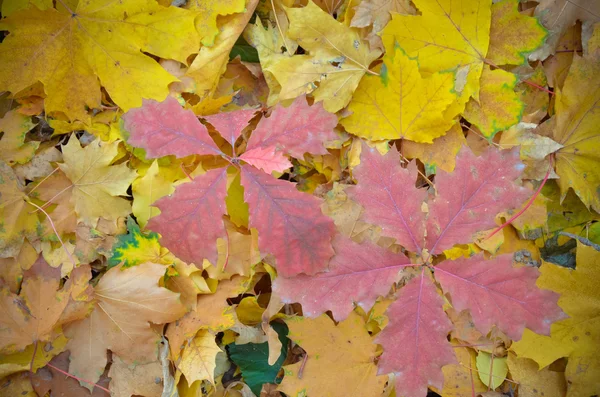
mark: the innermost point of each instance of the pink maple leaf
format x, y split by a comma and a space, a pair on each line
295, 130
231, 124
291, 225
389, 197
469, 199
164, 128
466, 201
267, 159
357, 273
414, 341
190, 220
496, 293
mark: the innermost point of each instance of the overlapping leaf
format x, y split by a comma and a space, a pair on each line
414, 342
466, 201
341, 358
400, 103
357, 273
290, 224
94, 44
128, 300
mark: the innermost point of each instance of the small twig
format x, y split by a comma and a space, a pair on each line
301, 370
79, 379
55, 232
531, 200
582, 240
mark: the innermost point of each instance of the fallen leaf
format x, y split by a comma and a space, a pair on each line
336, 59
13, 148
414, 341
576, 337
198, 358
340, 359
399, 103
97, 184
128, 300
357, 274
95, 44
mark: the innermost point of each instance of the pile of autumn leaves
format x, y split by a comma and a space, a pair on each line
177, 290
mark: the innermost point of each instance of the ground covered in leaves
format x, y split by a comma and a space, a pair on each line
300, 198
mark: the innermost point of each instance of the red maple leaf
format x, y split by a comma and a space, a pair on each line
290, 223
466, 202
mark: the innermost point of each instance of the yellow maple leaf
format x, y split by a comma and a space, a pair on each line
446, 36
70, 49
455, 35
400, 103
441, 153
337, 59
97, 185
198, 360
577, 120
156, 183
533, 381
211, 62
16, 218
577, 337
10, 6
340, 359
208, 10
499, 106
13, 148
512, 35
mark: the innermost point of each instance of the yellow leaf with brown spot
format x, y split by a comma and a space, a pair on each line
499, 106
336, 59
512, 35
534, 382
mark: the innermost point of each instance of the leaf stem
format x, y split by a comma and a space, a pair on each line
43, 180
79, 379
531, 200
287, 48
55, 232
